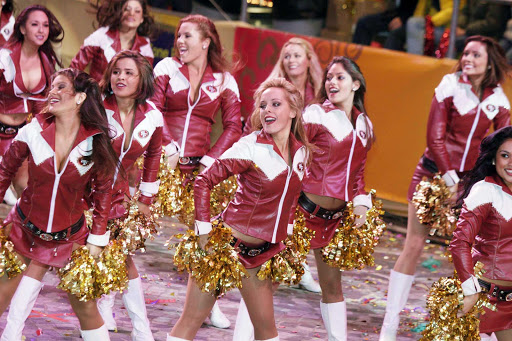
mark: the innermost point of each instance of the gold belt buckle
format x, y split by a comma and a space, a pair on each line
253, 252
184, 160
46, 237
508, 298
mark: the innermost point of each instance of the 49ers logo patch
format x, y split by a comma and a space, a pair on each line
362, 134
300, 166
490, 107
211, 88
143, 134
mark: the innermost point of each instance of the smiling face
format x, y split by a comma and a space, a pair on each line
62, 98
190, 43
504, 162
340, 87
124, 79
36, 28
474, 59
133, 15
275, 112
295, 60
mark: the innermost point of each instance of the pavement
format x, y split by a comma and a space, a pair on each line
297, 312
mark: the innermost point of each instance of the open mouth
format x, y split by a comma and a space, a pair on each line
334, 91
270, 120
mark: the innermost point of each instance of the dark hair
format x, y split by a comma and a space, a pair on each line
484, 164
8, 7
496, 60
355, 72
110, 13
92, 115
55, 35
206, 27
145, 87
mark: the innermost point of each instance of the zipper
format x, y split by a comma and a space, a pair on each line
470, 136
187, 120
280, 208
349, 163
54, 190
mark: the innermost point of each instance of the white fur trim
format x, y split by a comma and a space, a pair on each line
471, 286
99, 239
149, 188
202, 227
484, 193
7, 65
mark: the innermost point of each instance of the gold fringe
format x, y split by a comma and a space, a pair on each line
433, 208
111, 272
444, 301
78, 277
352, 248
10, 264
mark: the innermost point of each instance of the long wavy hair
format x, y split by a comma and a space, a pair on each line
146, 85
314, 69
484, 164
55, 34
93, 116
355, 72
110, 13
499, 67
296, 103
8, 7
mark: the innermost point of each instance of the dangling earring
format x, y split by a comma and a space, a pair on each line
493, 162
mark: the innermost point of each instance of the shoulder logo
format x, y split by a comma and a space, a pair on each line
362, 134
143, 134
7, 31
83, 161
300, 166
490, 107
211, 88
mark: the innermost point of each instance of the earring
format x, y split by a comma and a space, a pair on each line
354, 89
494, 162
489, 67
78, 102
204, 47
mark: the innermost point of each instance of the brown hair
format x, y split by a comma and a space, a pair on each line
55, 34
92, 115
496, 60
355, 72
110, 12
314, 70
145, 87
296, 103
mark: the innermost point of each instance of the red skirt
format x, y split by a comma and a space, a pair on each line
253, 262
324, 229
56, 253
501, 319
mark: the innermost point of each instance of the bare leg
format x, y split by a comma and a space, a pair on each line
504, 335
330, 280
86, 312
8, 287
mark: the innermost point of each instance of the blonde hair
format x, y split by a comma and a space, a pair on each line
314, 69
294, 99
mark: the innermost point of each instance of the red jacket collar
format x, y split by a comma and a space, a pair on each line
45, 74
497, 180
328, 106
465, 80
265, 138
140, 110
207, 75
116, 45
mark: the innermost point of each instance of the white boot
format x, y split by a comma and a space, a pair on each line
244, 330
272, 339
217, 317
307, 281
398, 292
105, 306
21, 305
335, 320
485, 337
133, 299
174, 338
100, 334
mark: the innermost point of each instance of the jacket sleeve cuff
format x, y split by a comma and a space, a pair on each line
149, 188
289, 229
147, 200
363, 200
99, 239
471, 286
202, 227
171, 149
451, 178
207, 161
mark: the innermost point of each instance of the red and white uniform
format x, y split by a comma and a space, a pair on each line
457, 123
53, 200
188, 125
14, 97
337, 168
7, 27
146, 139
484, 233
103, 44
268, 188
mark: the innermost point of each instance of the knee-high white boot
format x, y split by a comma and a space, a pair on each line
21, 305
174, 338
244, 330
307, 281
100, 334
272, 339
217, 317
335, 320
105, 306
398, 292
133, 299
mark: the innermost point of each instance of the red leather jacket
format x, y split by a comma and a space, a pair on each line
484, 231
459, 121
146, 139
187, 124
99, 48
268, 189
337, 169
53, 201
14, 97
7, 20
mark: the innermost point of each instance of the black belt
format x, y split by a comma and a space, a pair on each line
502, 295
49, 236
245, 250
10, 130
316, 210
190, 160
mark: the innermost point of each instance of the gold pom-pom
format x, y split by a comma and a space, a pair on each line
219, 270
444, 301
10, 264
221, 195
433, 208
352, 248
78, 277
188, 254
111, 272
